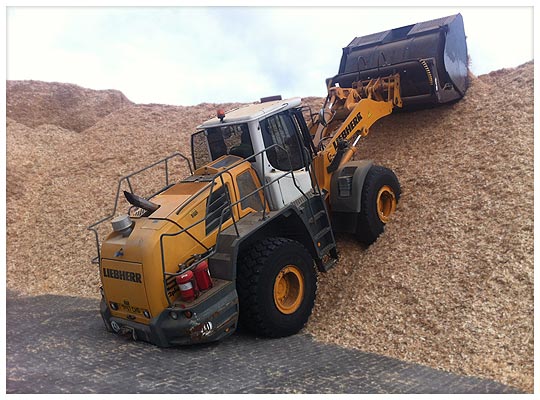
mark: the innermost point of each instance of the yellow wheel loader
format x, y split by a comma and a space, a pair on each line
243, 237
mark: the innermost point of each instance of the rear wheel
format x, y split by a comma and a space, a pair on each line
276, 284
380, 194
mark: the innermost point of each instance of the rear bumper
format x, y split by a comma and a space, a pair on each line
211, 320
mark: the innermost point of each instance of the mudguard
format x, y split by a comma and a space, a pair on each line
346, 195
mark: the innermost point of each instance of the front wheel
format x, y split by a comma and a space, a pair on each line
276, 285
380, 194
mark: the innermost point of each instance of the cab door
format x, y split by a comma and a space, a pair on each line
282, 133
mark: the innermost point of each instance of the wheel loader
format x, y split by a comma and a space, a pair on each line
242, 239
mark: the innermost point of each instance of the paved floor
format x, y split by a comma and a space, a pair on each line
58, 344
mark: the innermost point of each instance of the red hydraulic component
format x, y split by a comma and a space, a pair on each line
188, 286
202, 276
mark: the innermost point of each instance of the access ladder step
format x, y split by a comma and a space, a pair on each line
317, 216
323, 233
329, 264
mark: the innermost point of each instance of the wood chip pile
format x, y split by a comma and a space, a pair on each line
450, 282
69, 106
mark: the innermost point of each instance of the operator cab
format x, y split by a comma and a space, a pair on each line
272, 135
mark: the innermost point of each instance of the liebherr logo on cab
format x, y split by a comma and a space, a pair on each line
350, 126
122, 275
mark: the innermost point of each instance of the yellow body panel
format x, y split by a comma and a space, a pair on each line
156, 245
131, 294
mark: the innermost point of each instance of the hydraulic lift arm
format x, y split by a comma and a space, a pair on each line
346, 116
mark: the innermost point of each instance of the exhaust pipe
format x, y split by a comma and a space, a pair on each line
141, 202
431, 58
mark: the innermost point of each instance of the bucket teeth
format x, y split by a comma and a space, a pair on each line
428, 72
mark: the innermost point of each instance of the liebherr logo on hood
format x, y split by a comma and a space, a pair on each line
122, 275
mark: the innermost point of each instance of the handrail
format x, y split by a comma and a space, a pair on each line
126, 178
311, 114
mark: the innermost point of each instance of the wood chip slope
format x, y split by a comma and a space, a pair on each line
450, 282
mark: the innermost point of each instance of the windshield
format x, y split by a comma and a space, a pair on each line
214, 142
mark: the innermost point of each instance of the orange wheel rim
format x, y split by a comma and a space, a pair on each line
289, 289
386, 203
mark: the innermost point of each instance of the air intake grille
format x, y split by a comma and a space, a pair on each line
218, 201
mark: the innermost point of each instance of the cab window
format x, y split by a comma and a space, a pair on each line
200, 153
214, 142
246, 186
280, 129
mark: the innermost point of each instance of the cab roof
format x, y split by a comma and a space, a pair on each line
252, 112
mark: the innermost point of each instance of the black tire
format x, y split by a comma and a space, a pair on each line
370, 223
258, 268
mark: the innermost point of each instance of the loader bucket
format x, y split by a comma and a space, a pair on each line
431, 58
